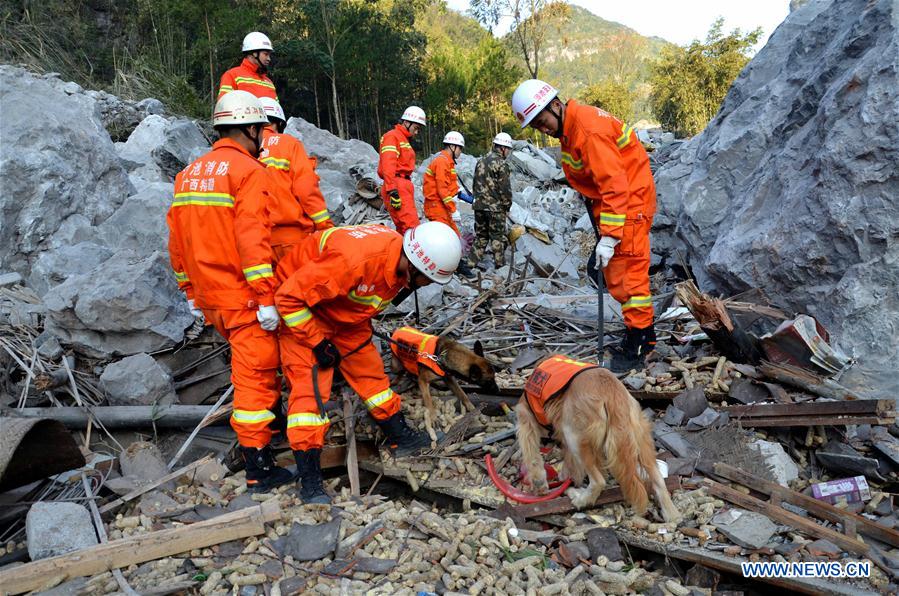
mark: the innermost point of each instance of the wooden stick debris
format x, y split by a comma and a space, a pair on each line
352, 461
850, 522
101, 534
138, 549
147, 488
201, 425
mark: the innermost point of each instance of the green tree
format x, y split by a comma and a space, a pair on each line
614, 97
689, 83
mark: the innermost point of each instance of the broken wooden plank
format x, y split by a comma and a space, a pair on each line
805, 380
875, 407
783, 516
563, 504
155, 484
773, 422
349, 429
817, 508
138, 549
115, 417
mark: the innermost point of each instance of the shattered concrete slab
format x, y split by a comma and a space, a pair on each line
745, 528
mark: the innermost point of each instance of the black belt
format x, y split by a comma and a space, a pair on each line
406, 176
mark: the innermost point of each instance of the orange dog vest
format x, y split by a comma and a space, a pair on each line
549, 379
412, 347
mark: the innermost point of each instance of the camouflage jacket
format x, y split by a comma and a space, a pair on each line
492, 185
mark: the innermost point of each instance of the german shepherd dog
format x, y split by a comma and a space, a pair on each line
452, 357
600, 426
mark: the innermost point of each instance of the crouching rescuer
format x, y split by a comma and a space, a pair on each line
333, 284
219, 244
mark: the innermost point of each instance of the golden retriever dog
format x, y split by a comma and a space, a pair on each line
600, 427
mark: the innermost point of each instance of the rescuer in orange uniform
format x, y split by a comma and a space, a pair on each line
605, 162
440, 184
331, 287
299, 207
251, 74
220, 252
395, 167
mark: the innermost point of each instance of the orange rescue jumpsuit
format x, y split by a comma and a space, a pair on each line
246, 77
412, 347
549, 379
395, 167
604, 161
299, 207
331, 287
220, 252
440, 187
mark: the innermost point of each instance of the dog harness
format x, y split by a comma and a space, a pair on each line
412, 347
550, 379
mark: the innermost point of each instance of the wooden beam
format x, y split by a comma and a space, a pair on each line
138, 549
783, 516
774, 422
878, 407
812, 505
156, 483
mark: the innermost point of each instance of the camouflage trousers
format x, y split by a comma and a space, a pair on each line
490, 230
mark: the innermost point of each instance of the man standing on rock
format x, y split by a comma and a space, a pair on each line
251, 75
605, 162
397, 162
299, 207
220, 252
332, 285
493, 199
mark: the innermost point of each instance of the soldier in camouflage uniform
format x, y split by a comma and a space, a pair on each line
493, 198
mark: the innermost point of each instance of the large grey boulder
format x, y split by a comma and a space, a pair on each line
793, 186
139, 224
125, 305
161, 147
56, 528
56, 265
137, 381
56, 160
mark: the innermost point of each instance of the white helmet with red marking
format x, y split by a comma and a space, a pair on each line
454, 138
238, 108
415, 114
272, 108
530, 98
434, 249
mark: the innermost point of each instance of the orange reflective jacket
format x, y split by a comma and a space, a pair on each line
338, 277
299, 207
412, 347
604, 161
440, 185
397, 156
219, 232
549, 379
246, 77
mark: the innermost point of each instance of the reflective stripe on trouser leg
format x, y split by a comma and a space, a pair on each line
627, 279
364, 371
254, 374
306, 426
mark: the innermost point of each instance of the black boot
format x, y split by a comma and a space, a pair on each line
401, 438
262, 473
465, 271
631, 354
310, 472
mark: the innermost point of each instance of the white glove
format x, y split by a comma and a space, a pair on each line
196, 312
268, 317
605, 248
457, 216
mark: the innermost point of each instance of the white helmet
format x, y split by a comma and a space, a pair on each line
530, 98
272, 108
503, 139
238, 108
454, 138
415, 114
256, 41
434, 249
